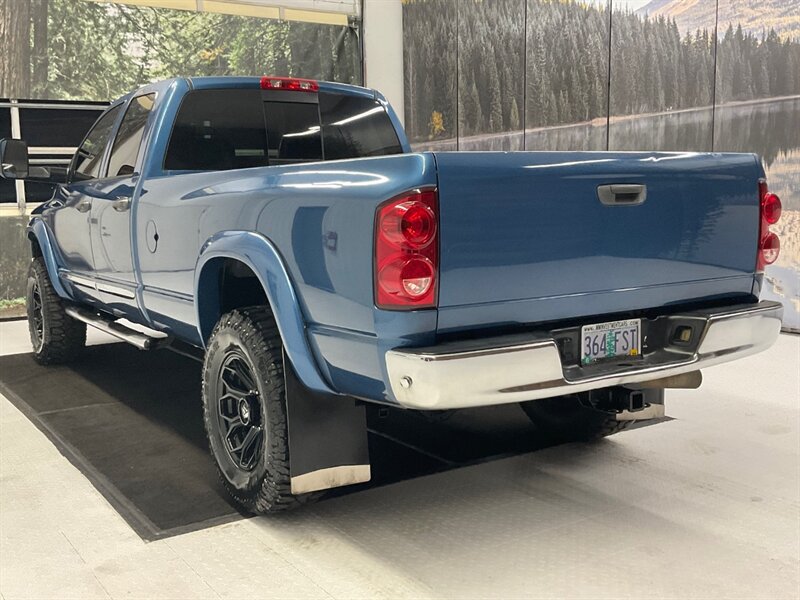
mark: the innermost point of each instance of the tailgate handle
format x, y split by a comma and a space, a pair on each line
616, 194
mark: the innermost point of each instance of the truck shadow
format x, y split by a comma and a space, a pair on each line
131, 422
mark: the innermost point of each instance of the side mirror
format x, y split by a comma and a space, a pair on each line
13, 159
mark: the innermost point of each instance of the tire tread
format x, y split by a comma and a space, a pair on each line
257, 328
64, 337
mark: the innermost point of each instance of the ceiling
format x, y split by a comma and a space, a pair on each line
330, 12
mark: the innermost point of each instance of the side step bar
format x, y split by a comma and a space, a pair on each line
118, 330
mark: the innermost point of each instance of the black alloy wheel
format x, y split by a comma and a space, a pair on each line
36, 317
239, 410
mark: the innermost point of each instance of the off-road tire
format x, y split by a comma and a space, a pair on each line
251, 333
567, 419
55, 336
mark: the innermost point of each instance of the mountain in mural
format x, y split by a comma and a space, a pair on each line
754, 15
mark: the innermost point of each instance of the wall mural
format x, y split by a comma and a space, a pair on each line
567, 76
536, 75
490, 85
430, 71
99, 51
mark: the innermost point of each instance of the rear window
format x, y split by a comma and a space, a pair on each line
354, 126
217, 130
236, 129
293, 132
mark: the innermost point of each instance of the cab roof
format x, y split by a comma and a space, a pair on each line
255, 82
233, 82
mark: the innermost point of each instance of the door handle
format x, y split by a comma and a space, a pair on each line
83, 205
626, 194
121, 204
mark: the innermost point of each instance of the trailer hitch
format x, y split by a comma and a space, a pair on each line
617, 399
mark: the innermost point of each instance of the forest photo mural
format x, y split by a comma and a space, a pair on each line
84, 50
670, 75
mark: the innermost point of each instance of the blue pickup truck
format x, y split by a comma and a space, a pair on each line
283, 232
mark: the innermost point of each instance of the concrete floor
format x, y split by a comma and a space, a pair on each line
706, 505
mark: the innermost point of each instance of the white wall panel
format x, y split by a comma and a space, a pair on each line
383, 50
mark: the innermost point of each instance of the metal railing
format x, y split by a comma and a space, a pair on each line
42, 155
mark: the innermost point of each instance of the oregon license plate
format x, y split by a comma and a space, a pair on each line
607, 340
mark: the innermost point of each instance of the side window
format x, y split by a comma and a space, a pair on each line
88, 158
217, 130
126, 146
354, 126
293, 132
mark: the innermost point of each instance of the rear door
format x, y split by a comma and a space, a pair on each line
111, 206
214, 131
537, 236
70, 217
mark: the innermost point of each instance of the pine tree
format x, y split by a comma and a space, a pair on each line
495, 105
513, 121
470, 115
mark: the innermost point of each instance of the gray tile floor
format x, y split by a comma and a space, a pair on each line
706, 505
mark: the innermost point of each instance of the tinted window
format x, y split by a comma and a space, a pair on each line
90, 154
218, 130
36, 191
8, 191
354, 126
293, 132
55, 127
129, 136
5, 122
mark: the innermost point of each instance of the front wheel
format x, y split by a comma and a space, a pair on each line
244, 410
55, 336
571, 419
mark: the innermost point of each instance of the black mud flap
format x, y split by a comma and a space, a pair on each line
327, 438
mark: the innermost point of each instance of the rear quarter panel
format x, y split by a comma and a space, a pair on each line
320, 217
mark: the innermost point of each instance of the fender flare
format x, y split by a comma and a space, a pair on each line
261, 256
38, 229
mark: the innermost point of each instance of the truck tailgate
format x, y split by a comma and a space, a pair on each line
539, 236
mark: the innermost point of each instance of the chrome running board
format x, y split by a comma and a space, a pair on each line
118, 330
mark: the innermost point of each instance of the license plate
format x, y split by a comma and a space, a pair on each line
608, 340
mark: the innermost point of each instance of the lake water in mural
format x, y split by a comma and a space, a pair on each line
773, 131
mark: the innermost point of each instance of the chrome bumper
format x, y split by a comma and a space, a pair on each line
526, 367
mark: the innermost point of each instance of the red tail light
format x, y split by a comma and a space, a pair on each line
770, 248
289, 84
769, 245
407, 252
771, 208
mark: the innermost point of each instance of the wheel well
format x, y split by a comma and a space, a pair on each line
239, 287
36, 250
224, 285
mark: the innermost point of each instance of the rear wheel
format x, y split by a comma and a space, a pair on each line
571, 419
55, 336
244, 409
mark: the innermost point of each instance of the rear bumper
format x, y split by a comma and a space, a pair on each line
527, 367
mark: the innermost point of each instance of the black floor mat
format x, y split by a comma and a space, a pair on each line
131, 422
